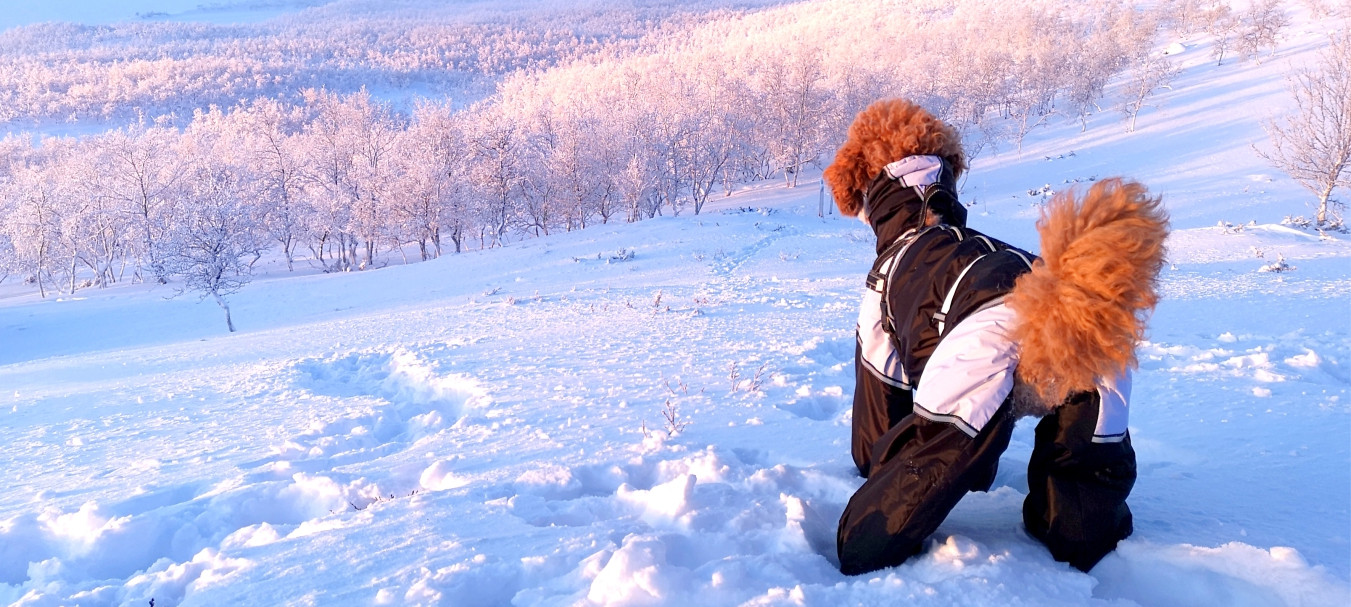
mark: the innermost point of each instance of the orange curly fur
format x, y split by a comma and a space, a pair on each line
885, 132
1082, 309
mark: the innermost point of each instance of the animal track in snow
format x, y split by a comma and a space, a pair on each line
817, 405
174, 535
410, 399
684, 516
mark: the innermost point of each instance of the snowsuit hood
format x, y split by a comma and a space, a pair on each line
895, 204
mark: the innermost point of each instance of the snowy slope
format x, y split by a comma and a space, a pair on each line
99, 12
489, 428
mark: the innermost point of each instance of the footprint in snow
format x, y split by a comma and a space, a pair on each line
820, 405
408, 399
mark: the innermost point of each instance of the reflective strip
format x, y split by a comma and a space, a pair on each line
886, 268
941, 418
891, 264
998, 301
878, 350
942, 314
1021, 256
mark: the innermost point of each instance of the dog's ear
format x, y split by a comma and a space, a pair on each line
847, 177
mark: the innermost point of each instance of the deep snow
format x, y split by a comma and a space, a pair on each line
488, 428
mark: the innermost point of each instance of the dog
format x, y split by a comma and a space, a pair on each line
960, 334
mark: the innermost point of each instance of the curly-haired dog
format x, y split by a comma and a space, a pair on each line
961, 334
882, 134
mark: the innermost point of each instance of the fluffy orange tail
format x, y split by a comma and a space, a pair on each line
1083, 308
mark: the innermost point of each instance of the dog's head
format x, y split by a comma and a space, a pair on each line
885, 132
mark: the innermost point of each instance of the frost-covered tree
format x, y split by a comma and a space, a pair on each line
33, 226
141, 167
1321, 9
95, 227
1148, 72
1038, 70
1313, 144
1189, 16
7, 259
670, 129
211, 245
330, 181
373, 131
496, 168
443, 132
541, 142
1098, 53
1260, 28
428, 184
579, 165
274, 157
795, 103
1223, 25
717, 121
55, 231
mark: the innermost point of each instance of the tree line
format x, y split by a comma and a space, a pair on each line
60, 72
655, 127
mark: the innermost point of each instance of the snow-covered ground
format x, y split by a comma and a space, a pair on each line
492, 427
100, 12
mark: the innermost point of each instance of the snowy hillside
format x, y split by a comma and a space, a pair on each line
658, 413
470, 431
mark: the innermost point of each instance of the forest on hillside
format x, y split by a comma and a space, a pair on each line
236, 142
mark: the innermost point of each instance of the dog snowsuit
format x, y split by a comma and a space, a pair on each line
933, 407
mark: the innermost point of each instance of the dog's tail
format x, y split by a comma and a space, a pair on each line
1082, 309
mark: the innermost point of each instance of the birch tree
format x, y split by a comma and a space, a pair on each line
795, 101
1313, 144
330, 182
1260, 28
93, 227
142, 168
209, 247
496, 170
274, 157
33, 226
1149, 72
373, 132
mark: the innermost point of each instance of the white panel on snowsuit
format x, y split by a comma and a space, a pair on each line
971, 371
1113, 409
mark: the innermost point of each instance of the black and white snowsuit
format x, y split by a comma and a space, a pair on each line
934, 373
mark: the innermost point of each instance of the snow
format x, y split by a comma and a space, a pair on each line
492, 427
102, 12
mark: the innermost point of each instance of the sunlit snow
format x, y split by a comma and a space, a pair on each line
658, 413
